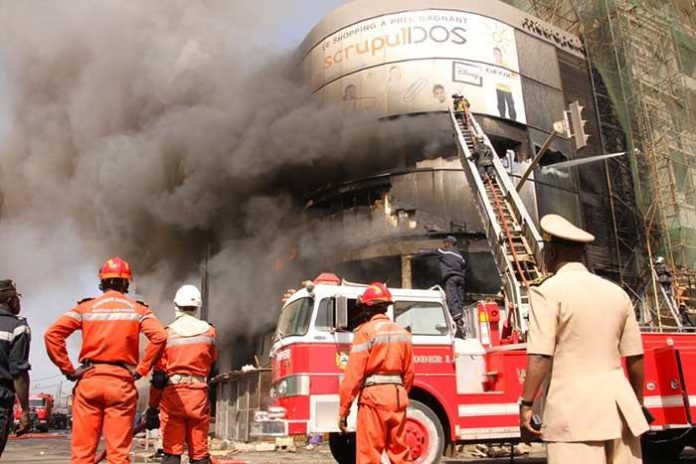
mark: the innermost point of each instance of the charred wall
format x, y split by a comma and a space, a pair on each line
592, 178
398, 213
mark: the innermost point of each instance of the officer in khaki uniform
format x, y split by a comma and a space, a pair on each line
580, 327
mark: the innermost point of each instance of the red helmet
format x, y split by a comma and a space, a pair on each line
376, 293
116, 268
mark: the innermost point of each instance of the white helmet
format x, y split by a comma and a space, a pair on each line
188, 295
659, 260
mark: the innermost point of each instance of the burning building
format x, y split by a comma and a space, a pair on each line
401, 61
402, 188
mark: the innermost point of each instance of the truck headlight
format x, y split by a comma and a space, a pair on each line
282, 388
296, 385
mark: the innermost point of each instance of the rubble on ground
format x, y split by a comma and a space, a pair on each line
492, 450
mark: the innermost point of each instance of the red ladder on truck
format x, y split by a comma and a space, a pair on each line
514, 239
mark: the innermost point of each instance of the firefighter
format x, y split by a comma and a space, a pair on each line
380, 371
180, 382
684, 315
462, 110
483, 157
453, 273
15, 338
580, 327
105, 396
458, 104
664, 275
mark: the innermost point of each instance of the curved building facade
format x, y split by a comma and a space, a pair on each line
400, 61
401, 57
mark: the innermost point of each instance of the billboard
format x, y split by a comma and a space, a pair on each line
414, 61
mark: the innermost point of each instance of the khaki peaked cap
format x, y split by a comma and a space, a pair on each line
558, 227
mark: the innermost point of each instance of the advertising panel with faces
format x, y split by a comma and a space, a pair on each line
415, 61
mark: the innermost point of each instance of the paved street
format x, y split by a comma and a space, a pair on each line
55, 449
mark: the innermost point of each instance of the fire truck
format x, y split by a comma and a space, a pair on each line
40, 410
466, 387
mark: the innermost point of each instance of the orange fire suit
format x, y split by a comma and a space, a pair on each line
183, 402
105, 397
380, 369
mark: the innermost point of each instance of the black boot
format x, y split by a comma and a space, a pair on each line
205, 460
171, 459
461, 327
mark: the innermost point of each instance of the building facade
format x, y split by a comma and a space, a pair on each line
399, 62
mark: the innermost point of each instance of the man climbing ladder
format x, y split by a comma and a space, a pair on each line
453, 273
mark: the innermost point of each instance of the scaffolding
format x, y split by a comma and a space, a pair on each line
642, 55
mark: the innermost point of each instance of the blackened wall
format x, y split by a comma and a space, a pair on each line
594, 193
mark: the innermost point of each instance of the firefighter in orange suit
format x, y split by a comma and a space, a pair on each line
105, 395
380, 370
180, 382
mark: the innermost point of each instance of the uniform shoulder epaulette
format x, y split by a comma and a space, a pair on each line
540, 280
85, 300
142, 303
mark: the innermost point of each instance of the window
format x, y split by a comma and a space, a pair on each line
37, 403
421, 318
325, 315
294, 318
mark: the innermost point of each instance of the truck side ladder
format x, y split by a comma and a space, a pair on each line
514, 239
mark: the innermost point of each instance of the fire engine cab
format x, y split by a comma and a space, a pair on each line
466, 388
460, 392
40, 409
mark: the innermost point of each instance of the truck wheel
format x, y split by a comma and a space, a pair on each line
342, 447
424, 434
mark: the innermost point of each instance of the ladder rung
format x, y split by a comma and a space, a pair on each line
521, 257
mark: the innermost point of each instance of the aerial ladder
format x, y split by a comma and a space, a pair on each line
514, 239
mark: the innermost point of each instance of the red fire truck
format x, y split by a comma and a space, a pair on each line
466, 389
40, 409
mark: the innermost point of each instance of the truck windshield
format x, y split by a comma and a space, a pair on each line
294, 319
36, 403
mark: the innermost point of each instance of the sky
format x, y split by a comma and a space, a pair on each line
304, 17
286, 33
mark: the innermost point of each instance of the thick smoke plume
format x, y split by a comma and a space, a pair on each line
150, 130
156, 131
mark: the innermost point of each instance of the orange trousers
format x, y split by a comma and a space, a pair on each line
380, 427
185, 420
105, 403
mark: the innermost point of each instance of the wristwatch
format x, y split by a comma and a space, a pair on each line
526, 403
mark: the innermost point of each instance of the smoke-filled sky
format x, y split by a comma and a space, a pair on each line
146, 130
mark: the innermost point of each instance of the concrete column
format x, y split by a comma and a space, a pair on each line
406, 271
